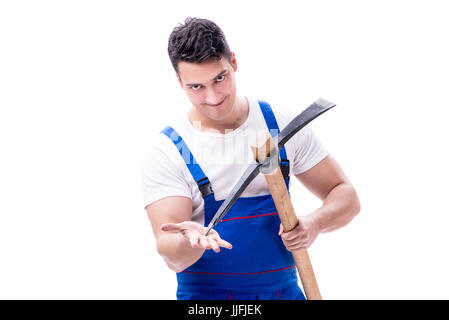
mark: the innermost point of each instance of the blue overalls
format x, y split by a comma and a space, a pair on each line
258, 267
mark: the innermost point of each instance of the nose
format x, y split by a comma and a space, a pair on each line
213, 97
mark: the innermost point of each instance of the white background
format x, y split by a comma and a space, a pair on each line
85, 84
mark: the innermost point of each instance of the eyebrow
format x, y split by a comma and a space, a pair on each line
215, 78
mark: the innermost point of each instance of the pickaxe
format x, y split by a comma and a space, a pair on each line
265, 151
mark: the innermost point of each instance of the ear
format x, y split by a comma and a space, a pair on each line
233, 61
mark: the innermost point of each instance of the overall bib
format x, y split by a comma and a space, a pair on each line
258, 266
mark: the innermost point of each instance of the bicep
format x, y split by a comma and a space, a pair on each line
169, 209
323, 177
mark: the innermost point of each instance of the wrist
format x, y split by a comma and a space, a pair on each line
317, 220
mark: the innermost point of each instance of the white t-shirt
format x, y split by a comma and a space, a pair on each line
222, 157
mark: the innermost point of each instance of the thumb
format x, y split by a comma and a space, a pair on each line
170, 227
281, 229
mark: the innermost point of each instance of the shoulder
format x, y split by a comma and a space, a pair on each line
161, 151
158, 142
163, 170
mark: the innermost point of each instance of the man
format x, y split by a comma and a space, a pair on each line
194, 163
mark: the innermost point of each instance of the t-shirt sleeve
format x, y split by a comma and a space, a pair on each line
162, 172
308, 151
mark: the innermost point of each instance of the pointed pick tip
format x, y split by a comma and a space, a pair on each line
324, 103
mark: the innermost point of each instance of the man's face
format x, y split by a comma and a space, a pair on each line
210, 86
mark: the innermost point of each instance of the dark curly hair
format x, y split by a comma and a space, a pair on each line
197, 40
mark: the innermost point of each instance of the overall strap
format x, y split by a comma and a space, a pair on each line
274, 131
195, 170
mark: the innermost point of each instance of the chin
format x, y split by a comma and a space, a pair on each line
217, 117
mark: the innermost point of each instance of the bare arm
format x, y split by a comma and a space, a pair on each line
180, 241
340, 204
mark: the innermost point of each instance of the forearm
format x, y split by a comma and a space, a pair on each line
177, 251
339, 207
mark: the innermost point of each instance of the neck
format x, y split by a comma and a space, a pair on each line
236, 118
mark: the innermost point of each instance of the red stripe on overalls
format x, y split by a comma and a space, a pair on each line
225, 273
249, 217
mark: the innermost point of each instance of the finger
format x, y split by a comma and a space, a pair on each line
220, 241
288, 236
181, 226
193, 238
294, 234
224, 243
213, 235
188, 225
204, 243
214, 245
294, 245
170, 227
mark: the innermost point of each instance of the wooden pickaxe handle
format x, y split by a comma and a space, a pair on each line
289, 221
262, 150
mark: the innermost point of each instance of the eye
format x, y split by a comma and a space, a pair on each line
220, 78
196, 87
